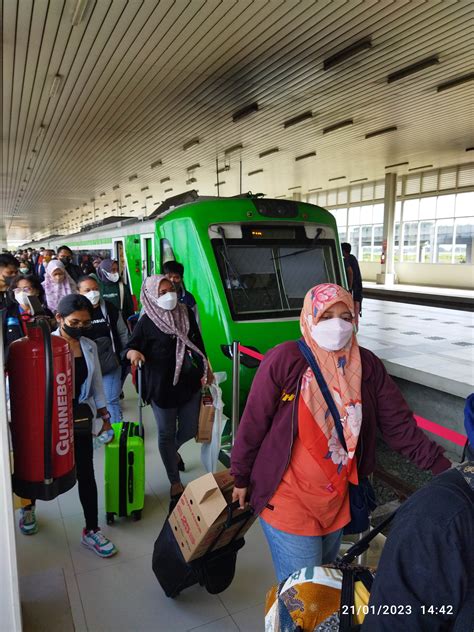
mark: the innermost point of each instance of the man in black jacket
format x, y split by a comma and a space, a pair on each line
65, 255
425, 578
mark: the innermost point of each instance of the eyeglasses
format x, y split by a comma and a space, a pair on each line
80, 324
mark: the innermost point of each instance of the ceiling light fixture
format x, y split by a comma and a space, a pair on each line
190, 143
298, 186
79, 12
245, 111
168, 190
144, 189
192, 167
41, 131
116, 201
134, 177
231, 150
117, 186
396, 164
316, 189
347, 53
304, 156
298, 119
191, 180
379, 132
157, 163
135, 202
337, 178
222, 169
128, 195
268, 152
252, 173
358, 180
219, 184
102, 194
422, 167
148, 197
333, 128
410, 70
53, 91
455, 82
469, 148
167, 179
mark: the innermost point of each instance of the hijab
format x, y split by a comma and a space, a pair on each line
342, 371
54, 292
174, 322
105, 266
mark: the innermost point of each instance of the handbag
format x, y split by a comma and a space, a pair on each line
107, 357
333, 597
82, 416
362, 496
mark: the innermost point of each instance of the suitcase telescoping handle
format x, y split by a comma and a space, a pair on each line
140, 393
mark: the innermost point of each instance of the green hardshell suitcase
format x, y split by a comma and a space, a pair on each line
125, 468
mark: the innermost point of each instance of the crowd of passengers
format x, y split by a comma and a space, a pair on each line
288, 460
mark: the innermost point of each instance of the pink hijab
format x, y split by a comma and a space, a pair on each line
174, 322
54, 292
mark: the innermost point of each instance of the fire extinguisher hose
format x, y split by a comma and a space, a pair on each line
48, 401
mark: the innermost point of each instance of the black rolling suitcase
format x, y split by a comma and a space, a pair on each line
214, 570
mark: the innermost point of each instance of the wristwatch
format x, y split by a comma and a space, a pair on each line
106, 416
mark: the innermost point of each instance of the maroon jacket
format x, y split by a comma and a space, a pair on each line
269, 424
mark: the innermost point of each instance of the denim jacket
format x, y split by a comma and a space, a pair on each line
92, 390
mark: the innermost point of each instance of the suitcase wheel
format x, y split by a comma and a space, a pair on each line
110, 518
136, 515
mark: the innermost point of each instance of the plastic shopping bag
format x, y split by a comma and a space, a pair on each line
210, 451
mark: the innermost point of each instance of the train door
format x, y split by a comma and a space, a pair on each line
147, 256
118, 253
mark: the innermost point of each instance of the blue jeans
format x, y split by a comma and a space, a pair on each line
175, 427
112, 387
292, 552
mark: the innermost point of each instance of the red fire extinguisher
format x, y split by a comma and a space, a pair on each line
41, 385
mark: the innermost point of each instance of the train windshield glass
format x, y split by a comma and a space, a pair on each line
269, 280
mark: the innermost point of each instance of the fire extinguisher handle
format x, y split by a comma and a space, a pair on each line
140, 393
48, 401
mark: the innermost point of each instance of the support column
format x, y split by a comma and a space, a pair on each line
387, 273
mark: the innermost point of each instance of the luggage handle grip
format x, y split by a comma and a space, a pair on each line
231, 519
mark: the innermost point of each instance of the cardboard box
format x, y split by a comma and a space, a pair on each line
206, 419
201, 513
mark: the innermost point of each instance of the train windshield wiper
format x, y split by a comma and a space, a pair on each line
299, 252
229, 265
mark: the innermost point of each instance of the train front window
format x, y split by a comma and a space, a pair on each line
264, 280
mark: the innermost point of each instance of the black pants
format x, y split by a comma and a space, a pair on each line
83, 453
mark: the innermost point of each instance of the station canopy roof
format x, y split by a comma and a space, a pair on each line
112, 106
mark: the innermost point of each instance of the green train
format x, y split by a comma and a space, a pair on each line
248, 261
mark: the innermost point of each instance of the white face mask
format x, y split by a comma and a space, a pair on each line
93, 296
167, 301
332, 334
112, 276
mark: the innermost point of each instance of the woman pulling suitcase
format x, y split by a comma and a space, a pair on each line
167, 340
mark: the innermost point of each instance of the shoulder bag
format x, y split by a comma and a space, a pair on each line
362, 496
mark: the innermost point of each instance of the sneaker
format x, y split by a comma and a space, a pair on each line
28, 524
97, 542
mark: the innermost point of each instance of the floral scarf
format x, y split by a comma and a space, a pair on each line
53, 291
342, 371
174, 322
